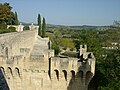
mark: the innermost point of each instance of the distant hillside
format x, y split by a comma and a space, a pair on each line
90, 27
85, 27
52, 26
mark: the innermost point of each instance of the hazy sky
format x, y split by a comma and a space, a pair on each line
68, 12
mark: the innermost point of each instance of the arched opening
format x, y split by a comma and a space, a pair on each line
80, 75
17, 71
73, 75
12, 28
26, 27
10, 71
83, 46
3, 70
88, 77
89, 55
3, 83
57, 74
65, 74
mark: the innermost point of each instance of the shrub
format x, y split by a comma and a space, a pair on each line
71, 49
12, 28
56, 48
7, 30
70, 54
3, 26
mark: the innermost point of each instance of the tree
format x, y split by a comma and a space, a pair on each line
6, 15
67, 43
116, 23
39, 24
16, 19
109, 69
43, 28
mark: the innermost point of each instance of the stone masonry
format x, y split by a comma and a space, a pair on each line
27, 63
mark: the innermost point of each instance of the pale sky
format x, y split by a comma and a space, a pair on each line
68, 12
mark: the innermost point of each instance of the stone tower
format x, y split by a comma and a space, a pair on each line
27, 63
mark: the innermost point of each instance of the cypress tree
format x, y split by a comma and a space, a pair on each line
39, 24
43, 28
16, 19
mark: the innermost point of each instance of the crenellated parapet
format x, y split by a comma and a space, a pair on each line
20, 28
28, 63
74, 70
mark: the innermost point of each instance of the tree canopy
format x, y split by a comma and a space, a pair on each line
43, 28
107, 76
7, 17
39, 24
6, 14
16, 19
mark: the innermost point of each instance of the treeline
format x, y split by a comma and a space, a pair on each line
42, 27
7, 16
107, 75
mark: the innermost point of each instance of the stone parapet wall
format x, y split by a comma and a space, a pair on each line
27, 63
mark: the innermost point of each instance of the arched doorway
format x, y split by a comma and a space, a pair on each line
65, 74
17, 72
26, 27
89, 75
3, 83
72, 74
56, 74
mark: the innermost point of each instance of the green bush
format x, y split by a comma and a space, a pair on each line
3, 26
71, 49
12, 28
56, 48
70, 54
6, 31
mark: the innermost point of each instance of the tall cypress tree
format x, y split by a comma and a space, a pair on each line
39, 24
16, 19
43, 28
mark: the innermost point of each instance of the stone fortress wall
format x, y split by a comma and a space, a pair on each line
27, 63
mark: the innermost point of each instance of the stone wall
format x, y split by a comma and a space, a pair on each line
27, 63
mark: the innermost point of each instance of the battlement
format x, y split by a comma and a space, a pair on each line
28, 63
73, 64
19, 28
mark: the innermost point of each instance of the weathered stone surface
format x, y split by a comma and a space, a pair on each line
27, 63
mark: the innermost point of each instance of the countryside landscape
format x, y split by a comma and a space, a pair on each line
57, 56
